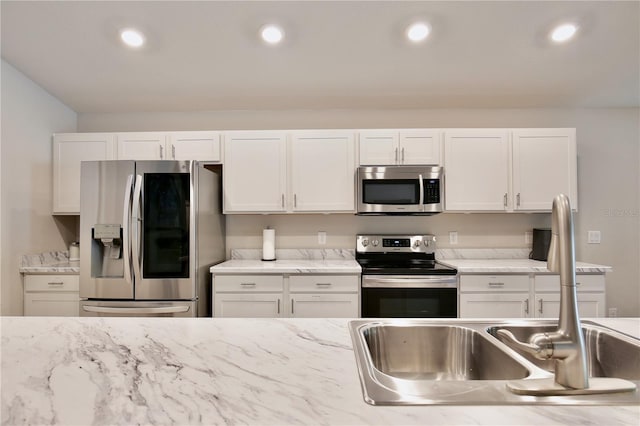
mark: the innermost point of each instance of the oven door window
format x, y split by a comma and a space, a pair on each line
391, 191
409, 303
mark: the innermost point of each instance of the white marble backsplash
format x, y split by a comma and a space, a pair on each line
296, 254
483, 253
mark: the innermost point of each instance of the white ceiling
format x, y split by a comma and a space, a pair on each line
337, 54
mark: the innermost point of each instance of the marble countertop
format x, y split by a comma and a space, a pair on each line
219, 371
51, 262
290, 266
521, 266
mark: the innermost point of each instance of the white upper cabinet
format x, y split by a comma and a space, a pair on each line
476, 167
142, 146
322, 165
399, 147
201, 146
255, 172
69, 150
509, 169
544, 165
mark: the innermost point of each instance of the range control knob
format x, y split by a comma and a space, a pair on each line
375, 243
365, 242
427, 243
416, 243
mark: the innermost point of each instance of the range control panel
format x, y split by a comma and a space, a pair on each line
396, 243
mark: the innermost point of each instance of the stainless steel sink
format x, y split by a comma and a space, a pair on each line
609, 354
424, 352
418, 362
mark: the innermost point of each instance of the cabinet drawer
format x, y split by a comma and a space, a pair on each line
51, 283
324, 283
249, 283
491, 283
583, 282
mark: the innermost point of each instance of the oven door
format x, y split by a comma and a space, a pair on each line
394, 296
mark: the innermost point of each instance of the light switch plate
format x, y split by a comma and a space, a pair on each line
593, 237
322, 237
453, 237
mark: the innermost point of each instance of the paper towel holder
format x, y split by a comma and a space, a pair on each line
268, 245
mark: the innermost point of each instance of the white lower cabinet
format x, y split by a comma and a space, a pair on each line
52, 295
273, 296
527, 296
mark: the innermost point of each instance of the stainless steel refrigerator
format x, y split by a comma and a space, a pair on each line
149, 232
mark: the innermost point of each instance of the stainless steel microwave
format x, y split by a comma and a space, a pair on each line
401, 190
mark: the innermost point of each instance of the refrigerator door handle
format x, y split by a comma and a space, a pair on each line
126, 229
135, 232
133, 311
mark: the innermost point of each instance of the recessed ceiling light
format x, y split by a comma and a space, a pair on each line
418, 32
272, 34
563, 32
132, 38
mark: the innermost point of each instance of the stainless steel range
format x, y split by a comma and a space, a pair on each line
402, 279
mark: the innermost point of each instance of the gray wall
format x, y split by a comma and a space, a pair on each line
608, 179
29, 116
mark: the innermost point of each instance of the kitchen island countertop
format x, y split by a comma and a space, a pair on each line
221, 371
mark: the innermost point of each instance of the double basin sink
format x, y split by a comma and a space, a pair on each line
418, 362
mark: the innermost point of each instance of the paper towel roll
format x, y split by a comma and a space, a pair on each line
268, 244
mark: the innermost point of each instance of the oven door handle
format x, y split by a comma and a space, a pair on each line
377, 281
421, 184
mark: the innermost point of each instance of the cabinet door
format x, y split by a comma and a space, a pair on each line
247, 305
476, 166
420, 146
142, 146
494, 305
52, 304
324, 305
379, 147
201, 146
590, 305
255, 172
323, 171
544, 165
69, 150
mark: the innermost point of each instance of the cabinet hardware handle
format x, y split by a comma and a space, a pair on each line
518, 199
248, 284
161, 152
295, 200
282, 200
323, 284
278, 306
173, 151
396, 155
526, 306
292, 305
496, 284
578, 283
505, 199
56, 283
541, 308
402, 155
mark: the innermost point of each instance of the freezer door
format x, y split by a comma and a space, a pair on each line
105, 205
164, 232
92, 308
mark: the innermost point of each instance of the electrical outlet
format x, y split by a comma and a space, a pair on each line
528, 237
613, 312
453, 237
322, 237
593, 237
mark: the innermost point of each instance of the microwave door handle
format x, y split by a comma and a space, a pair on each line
135, 234
421, 183
126, 229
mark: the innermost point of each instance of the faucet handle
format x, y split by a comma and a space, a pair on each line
543, 351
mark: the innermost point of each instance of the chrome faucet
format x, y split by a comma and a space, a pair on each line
566, 344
